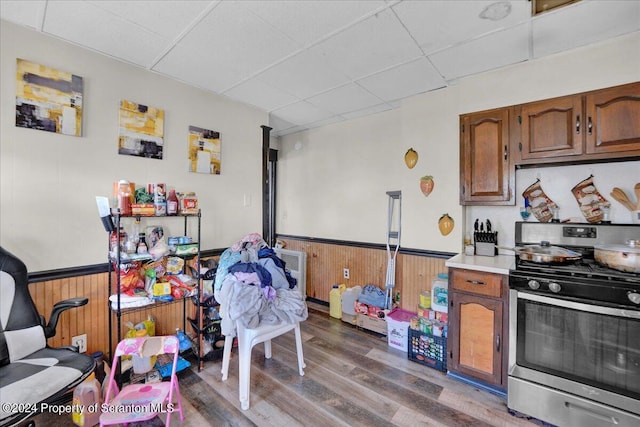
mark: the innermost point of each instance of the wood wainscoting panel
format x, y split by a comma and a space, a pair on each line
326, 261
417, 274
93, 318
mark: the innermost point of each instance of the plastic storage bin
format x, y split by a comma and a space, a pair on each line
427, 349
439, 293
335, 301
398, 322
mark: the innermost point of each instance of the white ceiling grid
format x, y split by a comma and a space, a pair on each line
313, 62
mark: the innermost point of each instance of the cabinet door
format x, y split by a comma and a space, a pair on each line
476, 345
613, 120
551, 128
485, 174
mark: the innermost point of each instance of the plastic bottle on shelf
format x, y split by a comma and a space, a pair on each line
172, 203
142, 244
183, 340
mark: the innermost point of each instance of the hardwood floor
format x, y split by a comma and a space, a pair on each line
352, 378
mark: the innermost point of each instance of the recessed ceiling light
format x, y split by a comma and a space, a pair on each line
496, 11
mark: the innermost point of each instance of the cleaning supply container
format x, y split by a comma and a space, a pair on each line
335, 300
86, 402
349, 297
439, 293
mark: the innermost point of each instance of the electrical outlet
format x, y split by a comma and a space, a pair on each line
80, 341
345, 273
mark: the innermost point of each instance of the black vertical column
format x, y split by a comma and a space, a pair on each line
265, 184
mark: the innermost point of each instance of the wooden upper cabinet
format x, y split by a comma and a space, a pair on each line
595, 126
613, 119
551, 128
485, 172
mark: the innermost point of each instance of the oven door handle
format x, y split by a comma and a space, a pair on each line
590, 308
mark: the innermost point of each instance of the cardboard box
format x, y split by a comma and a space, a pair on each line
143, 209
372, 323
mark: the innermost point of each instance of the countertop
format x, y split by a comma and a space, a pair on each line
500, 264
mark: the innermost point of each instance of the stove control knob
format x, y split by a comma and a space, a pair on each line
554, 287
534, 284
634, 297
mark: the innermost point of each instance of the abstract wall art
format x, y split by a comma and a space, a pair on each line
204, 151
48, 99
141, 130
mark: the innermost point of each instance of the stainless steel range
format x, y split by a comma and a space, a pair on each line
574, 330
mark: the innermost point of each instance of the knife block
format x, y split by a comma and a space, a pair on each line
486, 243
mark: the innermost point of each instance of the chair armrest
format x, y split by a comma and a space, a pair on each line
58, 308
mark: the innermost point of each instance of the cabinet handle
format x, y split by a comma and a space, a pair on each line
498, 343
589, 126
476, 282
505, 152
578, 124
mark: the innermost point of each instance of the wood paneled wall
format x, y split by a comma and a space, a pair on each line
326, 261
92, 319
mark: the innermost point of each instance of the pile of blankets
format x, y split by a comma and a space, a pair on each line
254, 287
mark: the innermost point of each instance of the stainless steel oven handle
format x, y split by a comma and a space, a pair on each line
590, 308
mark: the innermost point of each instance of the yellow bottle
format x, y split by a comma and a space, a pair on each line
335, 300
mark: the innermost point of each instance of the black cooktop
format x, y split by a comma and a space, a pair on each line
576, 270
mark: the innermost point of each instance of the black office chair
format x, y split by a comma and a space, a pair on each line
32, 374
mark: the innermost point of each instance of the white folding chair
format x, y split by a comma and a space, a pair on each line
247, 339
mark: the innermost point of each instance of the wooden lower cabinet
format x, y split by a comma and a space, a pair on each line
478, 326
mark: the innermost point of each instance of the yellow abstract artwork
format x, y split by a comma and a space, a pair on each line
204, 151
141, 130
48, 99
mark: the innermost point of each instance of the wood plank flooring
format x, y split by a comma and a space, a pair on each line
352, 378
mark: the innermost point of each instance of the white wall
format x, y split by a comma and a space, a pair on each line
48, 182
334, 185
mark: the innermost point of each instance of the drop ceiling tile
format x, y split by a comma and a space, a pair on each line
23, 12
487, 53
327, 121
264, 96
583, 23
278, 124
404, 80
438, 24
301, 113
372, 45
204, 71
168, 18
289, 131
308, 21
344, 99
303, 75
87, 25
230, 35
368, 111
